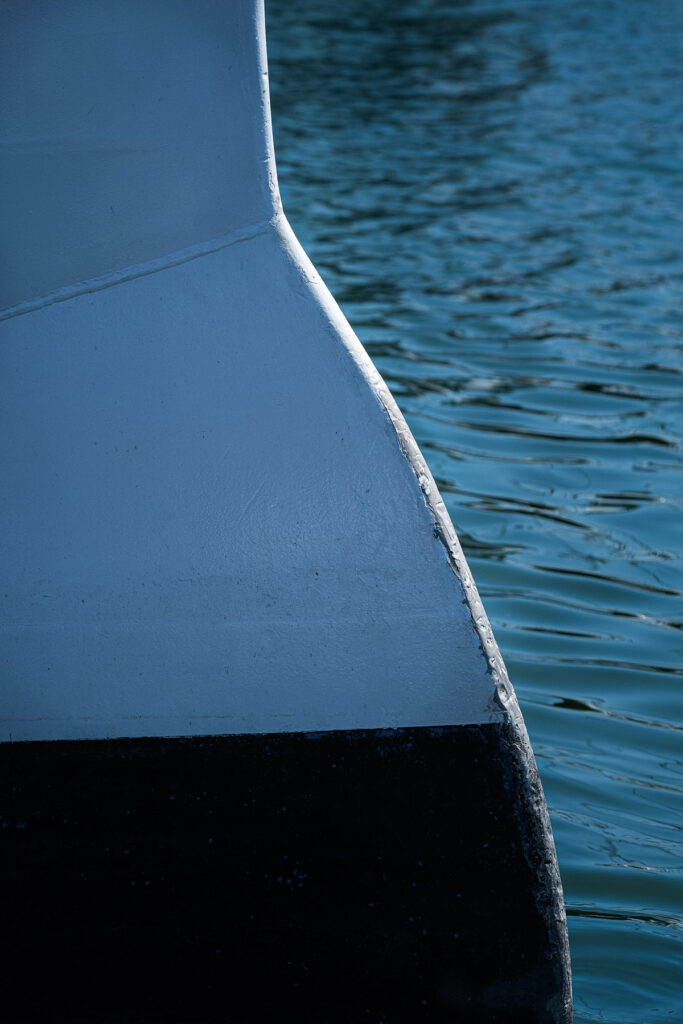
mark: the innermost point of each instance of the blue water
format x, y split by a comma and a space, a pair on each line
494, 194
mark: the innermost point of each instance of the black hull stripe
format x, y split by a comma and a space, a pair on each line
395, 876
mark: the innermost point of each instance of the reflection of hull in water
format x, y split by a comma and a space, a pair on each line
218, 526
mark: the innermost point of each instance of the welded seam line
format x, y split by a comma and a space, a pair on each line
144, 269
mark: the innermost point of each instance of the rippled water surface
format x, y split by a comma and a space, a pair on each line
494, 194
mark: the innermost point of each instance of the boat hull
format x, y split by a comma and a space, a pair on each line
391, 875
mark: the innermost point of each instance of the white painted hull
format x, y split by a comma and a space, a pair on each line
215, 517
216, 524
221, 529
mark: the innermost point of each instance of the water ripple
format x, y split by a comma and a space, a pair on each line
493, 193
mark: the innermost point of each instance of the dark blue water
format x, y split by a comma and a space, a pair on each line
494, 194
